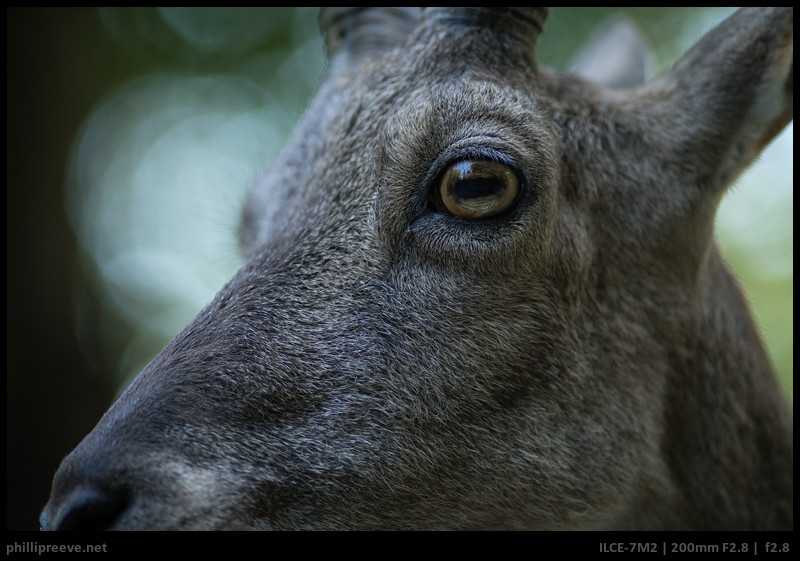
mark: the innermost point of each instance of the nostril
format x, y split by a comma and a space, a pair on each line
92, 509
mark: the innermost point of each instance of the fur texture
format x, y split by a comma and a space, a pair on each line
582, 361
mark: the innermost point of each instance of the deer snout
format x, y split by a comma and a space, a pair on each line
88, 507
98, 489
91, 491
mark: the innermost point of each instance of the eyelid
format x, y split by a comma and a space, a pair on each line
482, 147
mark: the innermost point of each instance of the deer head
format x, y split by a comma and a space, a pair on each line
478, 294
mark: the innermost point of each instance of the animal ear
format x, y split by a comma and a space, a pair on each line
729, 96
616, 56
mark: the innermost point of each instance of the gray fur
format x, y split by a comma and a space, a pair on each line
583, 361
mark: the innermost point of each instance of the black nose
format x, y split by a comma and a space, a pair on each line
86, 508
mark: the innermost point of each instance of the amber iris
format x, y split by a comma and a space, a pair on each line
474, 189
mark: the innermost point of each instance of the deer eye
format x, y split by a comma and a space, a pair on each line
475, 189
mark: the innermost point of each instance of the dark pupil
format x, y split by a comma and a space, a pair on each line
477, 188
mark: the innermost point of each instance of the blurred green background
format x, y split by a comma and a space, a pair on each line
133, 136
